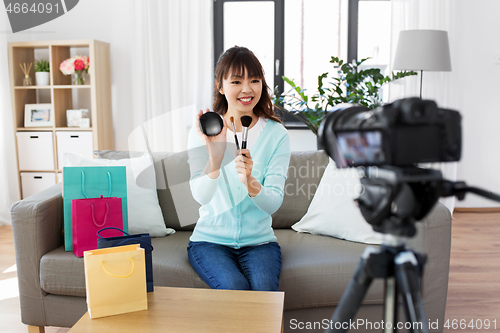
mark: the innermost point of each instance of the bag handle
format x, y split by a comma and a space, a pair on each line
83, 185
105, 215
119, 276
126, 233
133, 240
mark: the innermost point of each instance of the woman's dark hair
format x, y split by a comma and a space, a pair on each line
235, 61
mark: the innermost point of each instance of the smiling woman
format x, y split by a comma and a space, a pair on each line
233, 245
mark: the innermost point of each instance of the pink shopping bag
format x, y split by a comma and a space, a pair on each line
91, 215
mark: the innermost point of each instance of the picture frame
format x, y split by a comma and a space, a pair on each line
38, 115
73, 118
78, 118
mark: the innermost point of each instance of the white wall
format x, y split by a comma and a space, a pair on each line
479, 98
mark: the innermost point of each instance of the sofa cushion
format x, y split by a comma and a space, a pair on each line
315, 269
144, 211
304, 174
180, 210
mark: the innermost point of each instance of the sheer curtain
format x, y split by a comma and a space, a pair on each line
441, 87
172, 69
170, 76
9, 187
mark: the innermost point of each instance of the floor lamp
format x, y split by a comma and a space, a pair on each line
423, 50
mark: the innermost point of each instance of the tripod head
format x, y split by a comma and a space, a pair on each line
395, 198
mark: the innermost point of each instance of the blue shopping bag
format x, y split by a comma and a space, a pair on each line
144, 240
92, 182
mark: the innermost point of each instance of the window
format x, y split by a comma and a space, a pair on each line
314, 32
296, 38
374, 31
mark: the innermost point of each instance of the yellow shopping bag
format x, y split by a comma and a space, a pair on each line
115, 279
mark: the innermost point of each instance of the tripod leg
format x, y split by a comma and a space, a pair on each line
390, 304
407, 271
353, 296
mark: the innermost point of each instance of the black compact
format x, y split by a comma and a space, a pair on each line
211, 123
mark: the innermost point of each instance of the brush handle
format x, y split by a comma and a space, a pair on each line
235, 137
244, 136
236, 140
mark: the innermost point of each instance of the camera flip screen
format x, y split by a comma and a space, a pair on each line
361, 147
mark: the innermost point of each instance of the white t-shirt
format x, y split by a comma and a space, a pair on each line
253, 133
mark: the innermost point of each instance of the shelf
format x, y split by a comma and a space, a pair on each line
76, 129
32, 87
33, 129
63, 96
48, 129
84, 86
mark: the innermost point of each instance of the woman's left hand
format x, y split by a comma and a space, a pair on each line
244, 165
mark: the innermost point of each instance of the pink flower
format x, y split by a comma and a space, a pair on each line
79, 65
66, 67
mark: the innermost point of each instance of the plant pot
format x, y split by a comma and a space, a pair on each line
42, 78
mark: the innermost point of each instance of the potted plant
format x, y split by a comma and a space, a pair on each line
352, 84
42, 72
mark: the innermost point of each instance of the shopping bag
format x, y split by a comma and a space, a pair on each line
91, 215
115, 280
144, 240
92, 182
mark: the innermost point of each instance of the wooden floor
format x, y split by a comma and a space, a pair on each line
474, 284
473, 291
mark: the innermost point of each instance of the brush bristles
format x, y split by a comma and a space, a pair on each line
231, 119
246, 121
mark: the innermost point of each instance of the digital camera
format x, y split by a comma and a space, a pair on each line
403, 133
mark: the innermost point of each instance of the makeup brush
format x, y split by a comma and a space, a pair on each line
231, 119
246, 121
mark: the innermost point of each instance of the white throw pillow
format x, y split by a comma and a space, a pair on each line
144, 212
333, 212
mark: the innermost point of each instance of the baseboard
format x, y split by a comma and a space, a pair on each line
477, 210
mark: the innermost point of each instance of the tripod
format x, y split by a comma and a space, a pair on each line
394, 199
401, 268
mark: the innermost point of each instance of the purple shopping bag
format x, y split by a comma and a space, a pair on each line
91, 215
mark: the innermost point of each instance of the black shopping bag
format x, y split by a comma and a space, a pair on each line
144, 240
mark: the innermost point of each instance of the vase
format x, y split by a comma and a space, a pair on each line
42, 78
27, 80
78, 78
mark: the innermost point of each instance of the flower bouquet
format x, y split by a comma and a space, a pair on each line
75, 66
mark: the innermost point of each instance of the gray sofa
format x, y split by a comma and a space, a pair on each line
315, 269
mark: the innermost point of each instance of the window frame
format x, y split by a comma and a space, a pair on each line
279, 36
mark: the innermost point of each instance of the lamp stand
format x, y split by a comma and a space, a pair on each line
421, 77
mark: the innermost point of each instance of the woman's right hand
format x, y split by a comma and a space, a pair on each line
216, 145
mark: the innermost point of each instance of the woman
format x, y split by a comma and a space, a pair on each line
233, 244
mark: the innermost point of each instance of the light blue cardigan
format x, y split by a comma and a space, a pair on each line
228, 215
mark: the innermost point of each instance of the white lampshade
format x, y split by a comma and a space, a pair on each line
423, 50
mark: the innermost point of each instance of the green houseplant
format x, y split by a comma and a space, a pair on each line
351, 85
42, 72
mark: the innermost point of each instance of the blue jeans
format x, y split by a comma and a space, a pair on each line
248, 268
